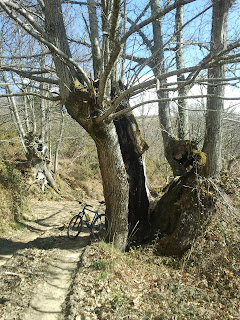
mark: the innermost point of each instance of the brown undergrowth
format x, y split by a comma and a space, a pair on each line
215, 254
203, 284
140, 285
13, 196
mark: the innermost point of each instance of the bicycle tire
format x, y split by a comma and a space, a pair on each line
75, 227
100, 227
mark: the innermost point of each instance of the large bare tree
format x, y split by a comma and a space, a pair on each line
94, 95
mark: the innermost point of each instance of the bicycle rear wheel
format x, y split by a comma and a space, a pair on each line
100, 227
74, 227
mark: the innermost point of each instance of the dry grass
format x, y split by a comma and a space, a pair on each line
139, 285
203, 284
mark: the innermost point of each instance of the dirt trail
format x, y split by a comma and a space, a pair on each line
50, 294
38, 263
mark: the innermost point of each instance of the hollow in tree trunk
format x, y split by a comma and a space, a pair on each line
132, 147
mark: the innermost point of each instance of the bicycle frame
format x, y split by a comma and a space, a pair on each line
96, 225
96, 215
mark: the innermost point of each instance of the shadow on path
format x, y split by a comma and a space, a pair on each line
9, 247
47, 230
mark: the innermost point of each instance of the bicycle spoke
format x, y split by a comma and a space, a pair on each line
74, 227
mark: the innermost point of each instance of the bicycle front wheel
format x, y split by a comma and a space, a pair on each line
100, 227
74, 227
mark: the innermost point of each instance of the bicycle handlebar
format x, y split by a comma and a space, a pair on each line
88, 205
84, 203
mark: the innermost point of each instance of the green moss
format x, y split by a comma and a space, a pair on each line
200, 157
18, 226
98, 265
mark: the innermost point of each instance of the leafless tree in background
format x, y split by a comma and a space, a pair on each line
30, 114
215, 105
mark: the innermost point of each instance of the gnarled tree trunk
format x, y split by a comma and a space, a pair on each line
132, 147
114, 176
38, 160
182, 212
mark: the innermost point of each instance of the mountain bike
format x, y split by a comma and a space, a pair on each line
98, 226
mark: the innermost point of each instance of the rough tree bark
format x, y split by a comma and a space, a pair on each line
183, 125
182, 211
83, 107
157, 65
215, 105
132, 147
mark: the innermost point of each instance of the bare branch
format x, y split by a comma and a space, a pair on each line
30, 75
23, 94
201, 81
43, 40
134, 58
237, 121
84, 43
124, 111
145, 39
135, 27
75, 2
12, 57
